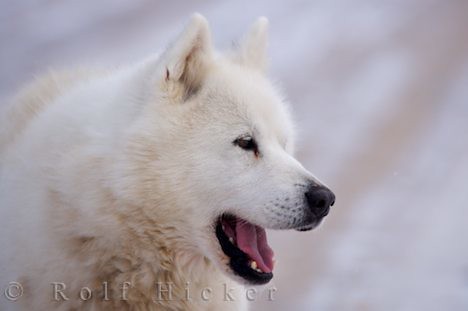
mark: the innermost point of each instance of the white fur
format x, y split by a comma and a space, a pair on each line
119, 175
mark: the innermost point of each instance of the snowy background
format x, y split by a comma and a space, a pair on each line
380, 94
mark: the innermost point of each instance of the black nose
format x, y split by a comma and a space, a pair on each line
320, 199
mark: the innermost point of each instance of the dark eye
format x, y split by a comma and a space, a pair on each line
247, 143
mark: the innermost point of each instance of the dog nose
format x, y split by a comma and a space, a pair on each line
320, 199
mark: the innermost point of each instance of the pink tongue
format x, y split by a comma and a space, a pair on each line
252, 240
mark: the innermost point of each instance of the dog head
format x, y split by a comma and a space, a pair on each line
222, 152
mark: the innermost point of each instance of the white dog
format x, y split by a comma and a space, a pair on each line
149, 187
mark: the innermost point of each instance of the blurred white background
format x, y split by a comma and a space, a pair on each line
380, 93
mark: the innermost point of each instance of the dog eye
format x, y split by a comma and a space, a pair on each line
247, 143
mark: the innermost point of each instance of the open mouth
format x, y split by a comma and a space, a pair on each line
247, 248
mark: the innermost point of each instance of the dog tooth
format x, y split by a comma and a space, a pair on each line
253, 264
258, 270
231, 240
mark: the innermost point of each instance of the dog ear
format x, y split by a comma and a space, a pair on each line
253, 48
185, 61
